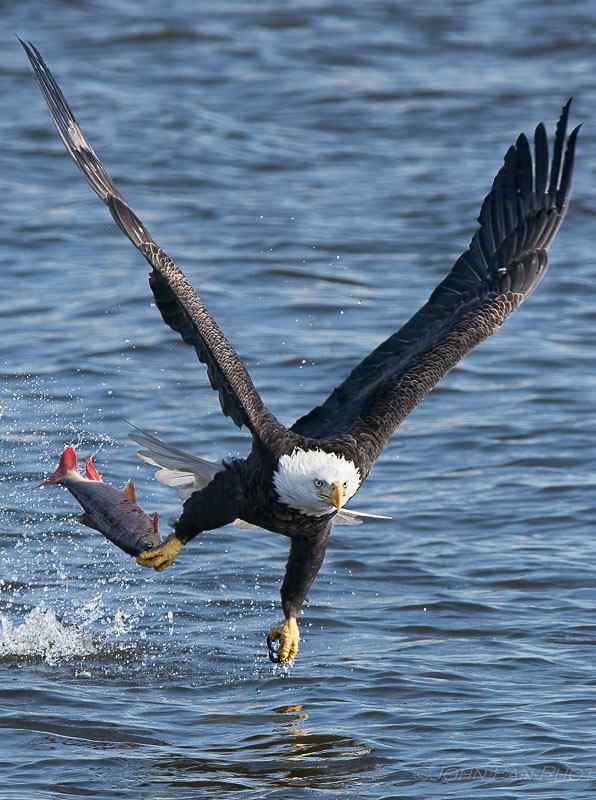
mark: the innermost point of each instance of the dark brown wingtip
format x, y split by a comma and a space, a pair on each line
567, 171
31, 51
560, 135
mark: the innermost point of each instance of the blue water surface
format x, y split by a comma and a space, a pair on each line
316, 167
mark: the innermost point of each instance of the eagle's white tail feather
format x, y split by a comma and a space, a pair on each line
346, 517
176, 468
245, 526
182, 481
162, 452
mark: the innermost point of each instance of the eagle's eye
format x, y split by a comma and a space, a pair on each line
319, 483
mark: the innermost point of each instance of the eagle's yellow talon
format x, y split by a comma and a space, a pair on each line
159, 558
288, 636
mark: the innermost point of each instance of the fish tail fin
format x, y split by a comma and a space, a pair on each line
67, 463
90, 471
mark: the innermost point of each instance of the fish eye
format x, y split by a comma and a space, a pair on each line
318, 483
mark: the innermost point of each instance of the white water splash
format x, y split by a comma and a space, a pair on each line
114, 625
41, 634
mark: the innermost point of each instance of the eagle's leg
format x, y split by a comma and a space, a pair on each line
304, 562
288, 636
162, 556
212, 507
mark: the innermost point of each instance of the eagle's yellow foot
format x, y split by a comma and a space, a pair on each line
288, 637
161, 557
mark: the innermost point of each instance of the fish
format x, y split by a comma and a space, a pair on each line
112, 512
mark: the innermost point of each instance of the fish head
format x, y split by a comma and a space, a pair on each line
67, 467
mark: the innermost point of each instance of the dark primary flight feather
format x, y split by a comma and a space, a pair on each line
180, 306
505, 261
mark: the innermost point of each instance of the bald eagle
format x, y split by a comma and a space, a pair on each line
296, 481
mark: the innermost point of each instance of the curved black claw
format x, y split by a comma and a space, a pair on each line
273, 649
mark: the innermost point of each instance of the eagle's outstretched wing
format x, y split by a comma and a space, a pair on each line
180, 306
505, 261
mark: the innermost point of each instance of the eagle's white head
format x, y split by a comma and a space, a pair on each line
315, 482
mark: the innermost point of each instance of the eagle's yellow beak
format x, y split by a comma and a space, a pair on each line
337, 495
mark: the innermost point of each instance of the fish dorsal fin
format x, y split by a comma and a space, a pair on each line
129, 492
154, 521
90, 472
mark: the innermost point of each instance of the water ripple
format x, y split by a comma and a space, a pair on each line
316, 169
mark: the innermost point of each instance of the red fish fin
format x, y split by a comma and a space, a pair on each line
85, 520
68, 463
154, 520
91, 472
129, 492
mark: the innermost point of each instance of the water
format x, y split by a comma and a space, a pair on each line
316, 168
